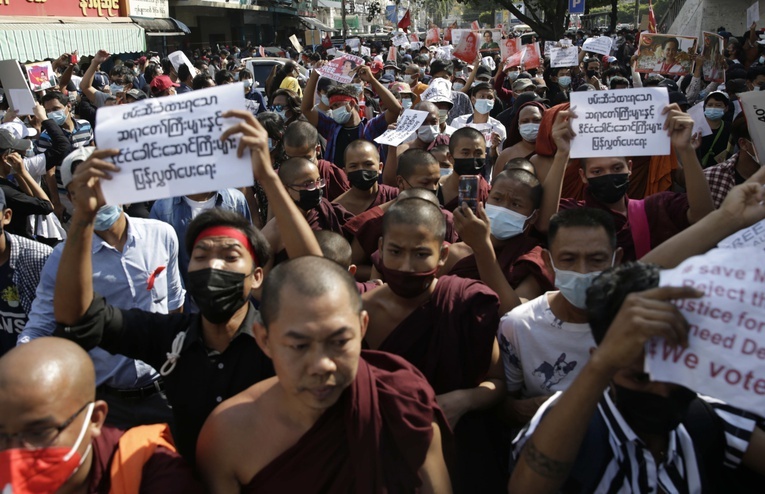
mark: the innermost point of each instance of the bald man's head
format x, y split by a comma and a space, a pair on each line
294, 170
416, 212
335, 247
418, 193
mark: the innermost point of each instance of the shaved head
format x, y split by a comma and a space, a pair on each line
416, 212
426, 106
309, 276
334, 247
291, 169
418, 193
412, 159
520, 163
523, 177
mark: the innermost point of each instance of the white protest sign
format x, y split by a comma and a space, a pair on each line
415, 45
407, 124
171, 146
753, 14
366, 51
700, 124
178, 58
564, 57
600, 45
353, 43
252, 106
341, 69
399, 39
14, 84
295, 43
753, 105
754, 236
623, 122
725, 357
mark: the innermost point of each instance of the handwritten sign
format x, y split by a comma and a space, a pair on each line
754, 236
753, 105
666, 54
600, 45
624, 122
40, 75
178, 58
564, 57
700, 124
341, 69
399, 39
725, 357
407, 124
753, 14
170, 146
15, 84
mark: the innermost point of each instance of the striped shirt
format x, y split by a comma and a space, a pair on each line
80, 136
613, 459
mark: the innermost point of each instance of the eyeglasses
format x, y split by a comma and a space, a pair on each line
277, 108
309, 186
39, 438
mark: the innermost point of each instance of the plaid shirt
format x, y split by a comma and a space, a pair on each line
27, 260
721, 178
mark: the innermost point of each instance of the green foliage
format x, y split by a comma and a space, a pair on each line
485, 19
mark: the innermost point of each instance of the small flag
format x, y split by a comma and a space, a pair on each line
405, 22
651, 18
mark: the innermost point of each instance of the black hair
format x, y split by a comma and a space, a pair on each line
334, 247
739, 129
202, 81
582, 218
57, 95
273, 123
244, 73
224, 217
343, 90
526, 178
754, 72
184, 72
619, 80
464, 133
300, 133
293, 102
411, 159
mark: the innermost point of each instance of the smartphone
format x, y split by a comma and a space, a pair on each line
73, 57
468, 191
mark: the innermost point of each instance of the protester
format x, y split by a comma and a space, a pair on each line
362, 166
736, 169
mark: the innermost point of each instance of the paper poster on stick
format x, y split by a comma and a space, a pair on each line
564, 57
725, 357
666, 54
753, 14
399, 39
407, 124
532, 58
178, 58
341, 69
623, 122
433, 37
40, 75
715, 64
509, 47
600, 45
296, 43
467, 49
17, 90
171, 146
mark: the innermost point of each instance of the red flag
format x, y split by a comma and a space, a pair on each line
405, 22
327, 43
651, 18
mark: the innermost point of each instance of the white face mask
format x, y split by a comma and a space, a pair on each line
406, 103
409, 79
442, 116
427, 133
484, 106
457, 86
505, 223
446, 171
573, 286
529, 131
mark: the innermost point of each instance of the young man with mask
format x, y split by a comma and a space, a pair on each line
206, 357
446, 327
54, 438
413, 76
467, 147
346, 124
716, 105
362, 165
614, 429
560, 85
644, 224
546, 341
738, 168
301, 140
335, 418
492, 129
99, 98
427, 136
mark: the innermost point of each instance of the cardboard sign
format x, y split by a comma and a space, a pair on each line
467, 49
178, 58
666, 54
433, 37
715, 64
564, 57
40, 75
341, 69
700, 124
754, 236
171, 146
725, 357
399, 39
753, 14
600, 45
533, 58
20, 98
296, 43
753, 105
407, 124
623, 122
509, 47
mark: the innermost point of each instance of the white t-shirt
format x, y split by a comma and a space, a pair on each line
197, 207
493, 125
541, 354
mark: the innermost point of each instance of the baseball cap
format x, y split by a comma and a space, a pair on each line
376, 66
719, 94
439, 91
20, 131
136, 94
72, 159
401, 87
162, 83
8, 140
483, 71
441, 66
521, 84
679, 98
100, 80
608, 59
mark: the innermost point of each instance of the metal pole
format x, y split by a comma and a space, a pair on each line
637, 14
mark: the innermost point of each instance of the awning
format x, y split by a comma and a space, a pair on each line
34, 41
315, 24
162, 27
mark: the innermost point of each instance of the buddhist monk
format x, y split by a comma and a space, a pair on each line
335, 419
467, 147
301, 140
362, 165
336, 248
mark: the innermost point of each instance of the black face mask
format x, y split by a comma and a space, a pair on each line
468, 166
651, 413
608, 189
363, 179
309, 199
217, 293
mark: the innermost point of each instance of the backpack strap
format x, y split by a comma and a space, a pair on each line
641, 232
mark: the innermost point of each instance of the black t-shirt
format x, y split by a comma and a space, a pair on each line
346, 136
12, 315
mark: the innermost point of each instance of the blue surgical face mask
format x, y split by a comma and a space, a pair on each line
106, 217
513, 75
457, 86
573, 286
529, 131
116, 89
247, 83
406, 103
484, 106
58, 116
714, 113
341, 115
505, 223
324, 100
445, 171
564, 81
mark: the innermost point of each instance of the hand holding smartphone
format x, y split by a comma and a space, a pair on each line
468, 191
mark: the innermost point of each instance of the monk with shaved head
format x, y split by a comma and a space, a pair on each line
362, 165
335, 419
53, 437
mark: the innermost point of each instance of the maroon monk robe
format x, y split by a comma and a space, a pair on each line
520, 258
326, 216
385, 193
373, 440
667, 214
483, 195
335, 179
166, 471
367, 228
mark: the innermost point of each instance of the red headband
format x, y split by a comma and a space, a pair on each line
341, 97
231, 232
